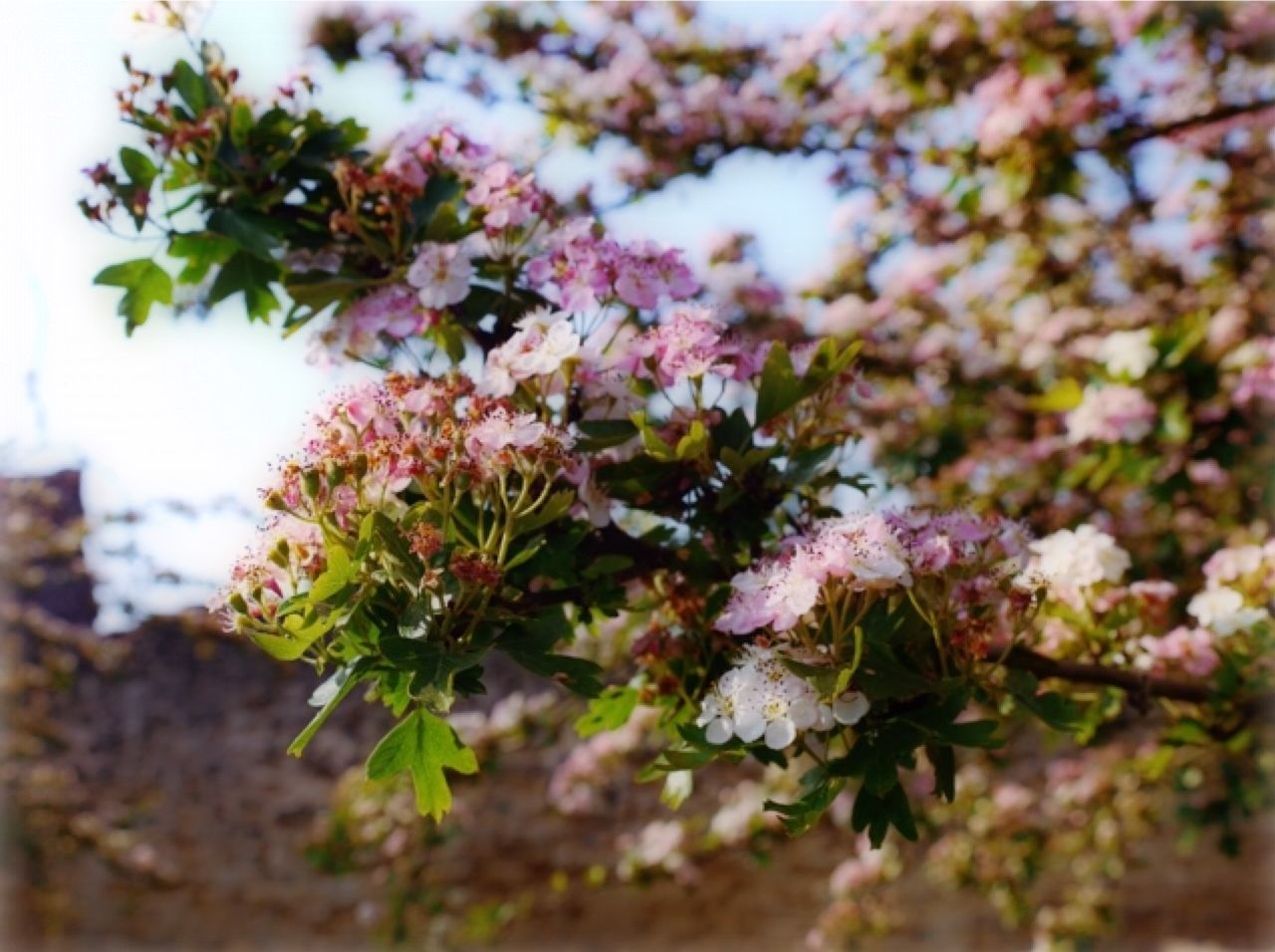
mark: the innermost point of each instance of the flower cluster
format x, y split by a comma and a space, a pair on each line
760, 699
1111, 414
411, 449
1069, 559
860, 551
582, 270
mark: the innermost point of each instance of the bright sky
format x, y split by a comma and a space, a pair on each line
193, 411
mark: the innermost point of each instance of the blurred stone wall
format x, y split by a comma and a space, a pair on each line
149, 804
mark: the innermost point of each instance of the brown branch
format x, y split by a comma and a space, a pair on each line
1132, 135
1141, 685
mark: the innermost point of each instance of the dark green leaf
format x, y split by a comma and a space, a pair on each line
779, 389
250, 229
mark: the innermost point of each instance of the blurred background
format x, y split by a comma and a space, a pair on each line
149, 803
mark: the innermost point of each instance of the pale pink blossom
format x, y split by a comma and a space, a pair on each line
441, 274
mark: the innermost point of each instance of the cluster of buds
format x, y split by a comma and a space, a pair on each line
415, 451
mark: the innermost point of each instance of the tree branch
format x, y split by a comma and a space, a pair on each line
1143, 685
1133, 135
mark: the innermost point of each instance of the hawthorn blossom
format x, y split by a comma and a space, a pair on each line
1257, 382
760, 699
1111, 414
545, 340
507, 198
647, 273
393, 312
686, 345
441, 274
1236, 562
860, 550
1074, 559
488, 440
1127, 353
1222, 609
1186, 649
658, 846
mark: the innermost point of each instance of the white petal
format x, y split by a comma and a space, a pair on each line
850, 708
824, 721
749, 726
719, 730
780, 733
803, 712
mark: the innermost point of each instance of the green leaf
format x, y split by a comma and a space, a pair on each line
318, 289
1058, 712
1065, 395
349, 679
145, 284
554, 508
335, 577
240, 124
530, 643
603, 434
191, 86
899, 812
652, 442
201, 250
608, 711
734, 431
438, 190
800, 815
943, 759
250, 276
694, 444
779, 389
250, 229
425, 746
1188, 732
450, 338
802, 467
141, 170
606, 565
285, 649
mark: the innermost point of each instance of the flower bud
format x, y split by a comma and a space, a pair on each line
850, 708
279, 554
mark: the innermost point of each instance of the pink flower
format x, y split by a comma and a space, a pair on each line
1257, 383
488, 441
1111, 414
1187, 649
861, 550
508, 199
441, 274
687, 345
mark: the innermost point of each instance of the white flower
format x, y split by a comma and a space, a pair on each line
1069, 559
441, 274
545, 340
1222, 609
1127, 353
760, 699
